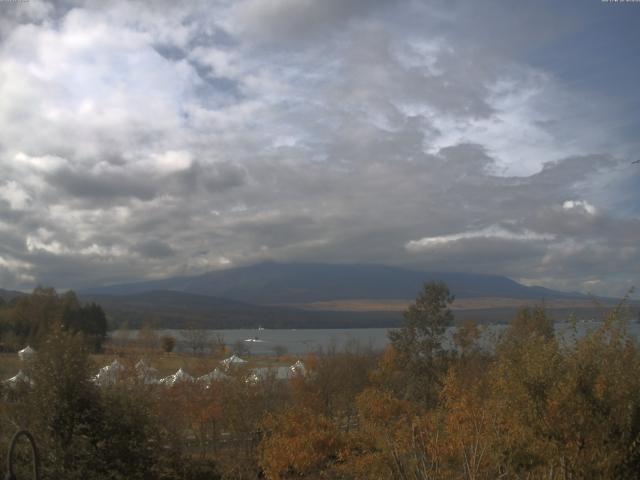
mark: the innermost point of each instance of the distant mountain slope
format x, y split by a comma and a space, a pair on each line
7, 295
277, 283
172, 309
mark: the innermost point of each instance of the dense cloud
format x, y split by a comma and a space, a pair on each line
145, 140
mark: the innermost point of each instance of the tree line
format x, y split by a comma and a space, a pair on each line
28, 319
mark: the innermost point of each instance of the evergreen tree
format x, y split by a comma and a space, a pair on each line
419, 342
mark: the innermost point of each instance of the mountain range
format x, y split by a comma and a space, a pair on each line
315, 295
272, 283
7, 295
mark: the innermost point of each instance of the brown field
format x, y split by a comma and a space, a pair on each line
394, 305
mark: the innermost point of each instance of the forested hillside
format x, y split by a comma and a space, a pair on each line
28, 319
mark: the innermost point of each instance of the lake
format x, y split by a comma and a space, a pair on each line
303, 341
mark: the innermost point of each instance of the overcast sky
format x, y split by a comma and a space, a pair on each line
151, 139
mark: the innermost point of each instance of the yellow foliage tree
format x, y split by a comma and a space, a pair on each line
298, 442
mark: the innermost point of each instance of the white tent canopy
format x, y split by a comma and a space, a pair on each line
116, 365
108, 375
142, 367
18, 379
142, 364
214, 375
233, 360
146, 373
179, 377
26, 353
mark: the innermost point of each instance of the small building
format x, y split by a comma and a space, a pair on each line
27, 353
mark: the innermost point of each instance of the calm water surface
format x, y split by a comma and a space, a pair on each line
302, 341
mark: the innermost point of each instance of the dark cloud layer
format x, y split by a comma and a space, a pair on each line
154, 248
147, 140
102, 186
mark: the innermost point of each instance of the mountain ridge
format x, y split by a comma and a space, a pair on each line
8, 295
280, 283
174, 309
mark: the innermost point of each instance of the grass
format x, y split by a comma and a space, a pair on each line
195, 365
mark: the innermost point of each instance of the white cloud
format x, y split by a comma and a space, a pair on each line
332, 130
15, 194
86, 87
492, 232
169, 161
579, 205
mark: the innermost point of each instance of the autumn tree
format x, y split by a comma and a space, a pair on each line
469, 446
528, 322
84, 432
244, 401
466, 338
566, 410
64, 404
147, 338
196, 338
391, 441
218, 346
419, 342
336, 380
167, 343
32, 317
298, 443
